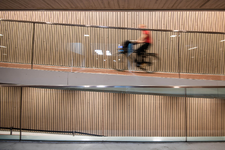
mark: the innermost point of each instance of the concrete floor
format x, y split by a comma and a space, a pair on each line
112, 71
24, 145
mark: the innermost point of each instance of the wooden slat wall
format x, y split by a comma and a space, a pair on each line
10, 98
171, 20
143, 115
106, 114
111, 114
207, 58
62, 110
17, 38
205, 117
53, 43
67, 46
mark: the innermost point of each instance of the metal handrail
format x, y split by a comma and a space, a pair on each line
105, 86
73, 132
110, 27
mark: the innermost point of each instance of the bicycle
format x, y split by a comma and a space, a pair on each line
123, 58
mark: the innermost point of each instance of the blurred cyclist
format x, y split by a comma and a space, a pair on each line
146, 42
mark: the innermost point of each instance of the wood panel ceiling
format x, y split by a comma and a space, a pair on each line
111, 4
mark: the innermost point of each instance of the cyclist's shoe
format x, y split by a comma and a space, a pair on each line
138, 64
135, 60
143, 65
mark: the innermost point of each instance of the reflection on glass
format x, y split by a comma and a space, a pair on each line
99, 52
192, 48
173, 35
108, 53
78, 53
76, 48
2, 46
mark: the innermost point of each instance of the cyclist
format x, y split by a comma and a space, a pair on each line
146, 42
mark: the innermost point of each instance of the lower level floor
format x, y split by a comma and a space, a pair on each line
26, 145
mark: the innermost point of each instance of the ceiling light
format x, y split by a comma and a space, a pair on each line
101, 86
157, 139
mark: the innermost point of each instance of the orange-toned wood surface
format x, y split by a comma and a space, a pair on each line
111, 71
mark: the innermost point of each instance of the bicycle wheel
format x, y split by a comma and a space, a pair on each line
150, 64
119, 61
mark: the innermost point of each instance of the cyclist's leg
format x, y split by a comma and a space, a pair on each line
138, 59
126, 43
140, 53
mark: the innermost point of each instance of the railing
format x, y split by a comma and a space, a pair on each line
47, 131
70, 45
45, 114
